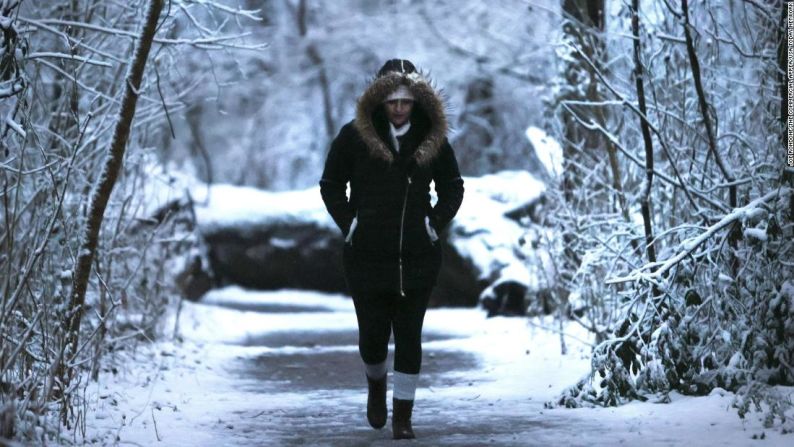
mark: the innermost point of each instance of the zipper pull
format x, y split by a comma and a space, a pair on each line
409, 179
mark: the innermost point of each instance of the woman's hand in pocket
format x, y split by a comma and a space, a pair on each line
430, 230
353, 226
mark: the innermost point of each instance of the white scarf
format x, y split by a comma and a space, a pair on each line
395, 132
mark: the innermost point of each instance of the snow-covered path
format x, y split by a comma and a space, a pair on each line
282, 368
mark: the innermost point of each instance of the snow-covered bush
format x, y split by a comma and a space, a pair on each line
685, 268
62, 80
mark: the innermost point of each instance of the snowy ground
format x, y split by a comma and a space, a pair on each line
282, 368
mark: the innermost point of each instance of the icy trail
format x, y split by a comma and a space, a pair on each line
283, 369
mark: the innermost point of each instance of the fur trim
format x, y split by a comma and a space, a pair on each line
424, 94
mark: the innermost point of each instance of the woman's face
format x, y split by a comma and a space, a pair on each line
398, 111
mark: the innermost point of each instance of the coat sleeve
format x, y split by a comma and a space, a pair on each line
333, 184
449, 188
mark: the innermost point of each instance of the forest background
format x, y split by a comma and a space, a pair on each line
673, 210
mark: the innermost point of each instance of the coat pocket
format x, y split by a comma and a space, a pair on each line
431, 232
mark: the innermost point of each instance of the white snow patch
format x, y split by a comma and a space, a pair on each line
224, 325
195, 392
547, 149
228, 205
725, 278
481, 233
231, 295
754, 214
755, 233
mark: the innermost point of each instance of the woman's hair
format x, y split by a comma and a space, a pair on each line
403, 66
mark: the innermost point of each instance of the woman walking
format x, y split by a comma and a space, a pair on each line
389, 154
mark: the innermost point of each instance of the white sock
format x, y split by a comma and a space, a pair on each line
376, 371
405, 385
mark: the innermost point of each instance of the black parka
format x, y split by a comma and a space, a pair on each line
391, 249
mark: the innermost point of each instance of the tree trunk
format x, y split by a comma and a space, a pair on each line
104, 187
584, 22
734, 236
646, 133
314, 55
582, 27
478, 125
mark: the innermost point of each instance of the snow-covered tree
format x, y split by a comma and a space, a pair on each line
85, 271
699, 279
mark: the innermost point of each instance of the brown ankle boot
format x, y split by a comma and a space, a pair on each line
376, 402
401, 419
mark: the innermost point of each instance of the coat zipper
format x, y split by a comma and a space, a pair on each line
402, 230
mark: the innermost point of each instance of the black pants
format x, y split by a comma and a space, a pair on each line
380, 313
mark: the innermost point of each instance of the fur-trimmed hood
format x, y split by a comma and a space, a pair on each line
425, 97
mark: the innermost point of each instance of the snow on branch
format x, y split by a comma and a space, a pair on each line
76, 58
690, 245
213, 42
592, 125
251, 14
16, 127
